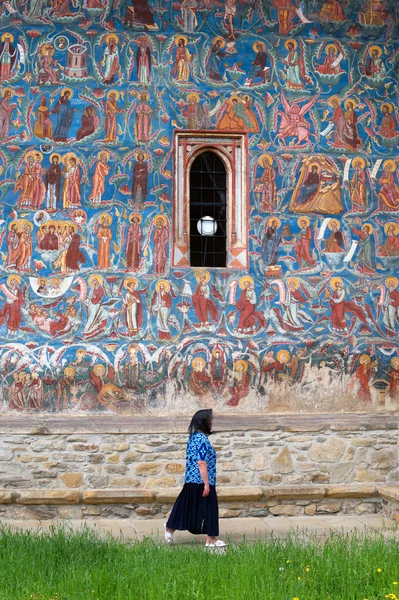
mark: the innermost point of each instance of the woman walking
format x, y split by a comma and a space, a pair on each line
196, 508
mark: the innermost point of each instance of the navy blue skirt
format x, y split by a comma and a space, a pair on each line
194, 513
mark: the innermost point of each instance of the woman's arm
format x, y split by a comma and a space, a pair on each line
203, 469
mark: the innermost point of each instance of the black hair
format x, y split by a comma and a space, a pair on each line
201, 421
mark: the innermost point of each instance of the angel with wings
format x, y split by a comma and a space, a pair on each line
293, 123
291, 298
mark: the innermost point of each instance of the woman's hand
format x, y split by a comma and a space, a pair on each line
206, 490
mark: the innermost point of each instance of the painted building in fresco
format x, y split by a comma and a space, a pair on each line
102, 102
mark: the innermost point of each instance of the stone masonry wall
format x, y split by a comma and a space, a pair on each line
147, 461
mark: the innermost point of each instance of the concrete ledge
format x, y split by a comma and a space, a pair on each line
42, 425
297, 492
225, 494
246, 494
118, 496
50, 497
352, 491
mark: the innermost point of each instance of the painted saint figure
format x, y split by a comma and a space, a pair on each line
72, 178
271, 241
161, 305
143, 61
132, 306
140, 179
391, 245
6, 111
357, 185
205, 308
64, 111
8, 57
11, 312
250, 319
133, 242
388, 194
302, 247
160, 241
111, 110
388, 127
53, 181
143, 118
389, 301
110, 60
101, 171
214, 66
104, 236
268, 184
96, 314
183, 60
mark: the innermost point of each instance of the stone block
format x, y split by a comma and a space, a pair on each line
259, 462
151, 468
47, 497
120, 496
5, 497
113, 458
124, 482
329, 451
310, 510
69, 512
271, 479
287, 510
131, 457
85, 447
229, 513
30, 458
174, 467
329, 507
283, 462
384, 459
72, 480
369, 475
161, 482
319, 478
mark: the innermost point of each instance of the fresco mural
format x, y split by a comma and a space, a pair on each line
93, 318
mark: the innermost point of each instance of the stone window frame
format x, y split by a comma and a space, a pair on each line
232, 149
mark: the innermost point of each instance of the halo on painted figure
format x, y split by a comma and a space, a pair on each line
291, 41
163, 282
364, 359
392, 224
276, 219
130, 281
258, 43
283, 356
299, 221
219, 39
10, 35
13, 277
334, 281
390, 163
263, 158
293, 280
241, 363
392, 279
137, 216
200, 273
94, 278
372, 48
334, 222
360, 160
244, 280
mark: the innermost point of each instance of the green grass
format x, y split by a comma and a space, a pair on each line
66, 566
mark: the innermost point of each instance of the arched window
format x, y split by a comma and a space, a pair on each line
210, 180
208, 218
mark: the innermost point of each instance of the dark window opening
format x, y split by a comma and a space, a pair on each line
208, 190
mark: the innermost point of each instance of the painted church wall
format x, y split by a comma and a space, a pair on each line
93, 316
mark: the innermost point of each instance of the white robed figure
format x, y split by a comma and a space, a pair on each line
389, 301
96, 314
160, 305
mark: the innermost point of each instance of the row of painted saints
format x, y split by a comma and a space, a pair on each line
210, 377
337, 124
102, 307
230, 17
316, 184
114, 60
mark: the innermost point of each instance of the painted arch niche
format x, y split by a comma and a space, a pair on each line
231, 150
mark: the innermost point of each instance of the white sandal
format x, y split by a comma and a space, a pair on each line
168, 535
217, 544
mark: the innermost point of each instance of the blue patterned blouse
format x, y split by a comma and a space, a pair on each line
199, 448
